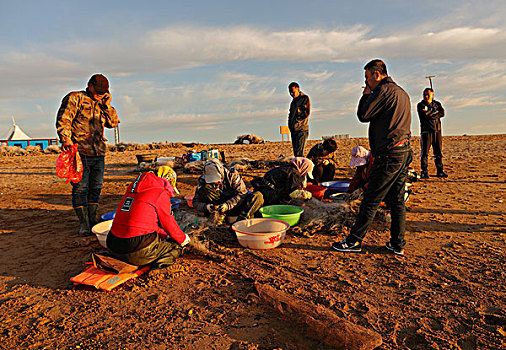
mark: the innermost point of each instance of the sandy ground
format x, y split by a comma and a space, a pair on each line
447, 292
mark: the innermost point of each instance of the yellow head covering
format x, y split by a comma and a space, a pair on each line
166, 172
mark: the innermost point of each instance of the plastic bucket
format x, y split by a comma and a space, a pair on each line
336, 186
288, 213
101, 230
260, 233
189, 199
174, 202
108, 216
317, 191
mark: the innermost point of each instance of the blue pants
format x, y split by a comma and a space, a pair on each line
88, 189
298, 142
386, 182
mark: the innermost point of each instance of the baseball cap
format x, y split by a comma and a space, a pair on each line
100, 83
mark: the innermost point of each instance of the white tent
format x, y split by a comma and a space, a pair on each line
17, 133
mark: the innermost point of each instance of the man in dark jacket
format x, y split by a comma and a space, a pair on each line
144, 231
322, 155
81, 119
221, 189
300, 108
430, 113
387, 108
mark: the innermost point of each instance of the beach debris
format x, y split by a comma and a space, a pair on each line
328, 215
52, 149
247, 139
320, 323
12, 151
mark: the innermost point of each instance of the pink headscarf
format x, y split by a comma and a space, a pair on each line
359, 156
304, 165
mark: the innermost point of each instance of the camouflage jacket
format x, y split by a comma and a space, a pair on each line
82, 120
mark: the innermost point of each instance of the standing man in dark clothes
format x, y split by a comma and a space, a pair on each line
386, 106
82, 119
300, 107
430, 113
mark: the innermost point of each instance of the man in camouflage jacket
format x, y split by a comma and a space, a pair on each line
81, 120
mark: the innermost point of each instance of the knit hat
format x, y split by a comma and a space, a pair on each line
304, 165
166, 172
359, 156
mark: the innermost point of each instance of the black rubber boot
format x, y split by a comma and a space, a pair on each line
92, 214
82, 214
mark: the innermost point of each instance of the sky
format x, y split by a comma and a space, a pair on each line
208, 71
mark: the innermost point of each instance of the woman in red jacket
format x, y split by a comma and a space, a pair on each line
362, 159
144, 231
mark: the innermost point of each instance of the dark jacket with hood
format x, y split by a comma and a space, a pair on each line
144, 213
388, 110
430, 115
300, 108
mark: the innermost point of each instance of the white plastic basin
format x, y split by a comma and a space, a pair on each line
261, 233
101, 230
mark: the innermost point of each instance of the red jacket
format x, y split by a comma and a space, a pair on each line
145, 208
361, 177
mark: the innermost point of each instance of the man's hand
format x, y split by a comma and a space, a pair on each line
210, 208
325, 162
67, 145
106, 100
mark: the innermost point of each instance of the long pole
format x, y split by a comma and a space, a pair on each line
430, 80
116, 134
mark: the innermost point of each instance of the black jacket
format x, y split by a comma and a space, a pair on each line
300, 108
278, 183
388, 110
430, 115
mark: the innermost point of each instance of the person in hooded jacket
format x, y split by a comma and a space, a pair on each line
222, 189
278, 183
144, 231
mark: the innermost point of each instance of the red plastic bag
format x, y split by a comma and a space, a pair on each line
69, 165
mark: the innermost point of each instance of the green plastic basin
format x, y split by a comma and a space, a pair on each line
288, 213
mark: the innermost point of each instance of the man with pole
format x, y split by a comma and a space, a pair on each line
430, 113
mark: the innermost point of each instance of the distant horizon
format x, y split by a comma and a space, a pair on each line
205, 71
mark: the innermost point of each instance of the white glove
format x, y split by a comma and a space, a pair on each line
186, 241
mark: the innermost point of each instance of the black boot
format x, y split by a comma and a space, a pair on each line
92, 214
82, 214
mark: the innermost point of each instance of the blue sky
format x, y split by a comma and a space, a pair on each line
209, 71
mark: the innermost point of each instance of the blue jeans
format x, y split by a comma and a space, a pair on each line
298, 142
88, 189
386, 182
